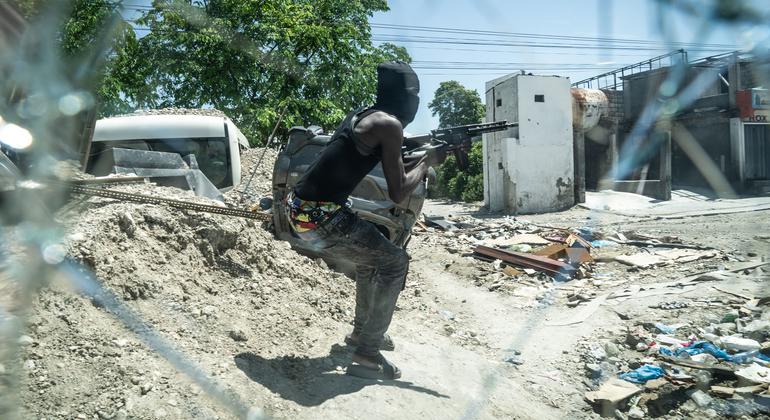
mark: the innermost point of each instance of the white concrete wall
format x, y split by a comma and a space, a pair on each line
536, 170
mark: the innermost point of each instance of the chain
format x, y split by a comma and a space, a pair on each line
148, 199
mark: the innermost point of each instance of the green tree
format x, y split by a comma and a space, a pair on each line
456, 105
97, 48
253, 58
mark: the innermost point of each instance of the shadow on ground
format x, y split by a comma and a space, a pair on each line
312, 381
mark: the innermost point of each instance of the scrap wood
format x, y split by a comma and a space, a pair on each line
551, 251
722, 391
719, 370
751, 389
589, 310
510, 271
547, 265
422, 225
578, 255
574, 240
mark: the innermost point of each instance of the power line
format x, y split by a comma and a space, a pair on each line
498, 43
540, 36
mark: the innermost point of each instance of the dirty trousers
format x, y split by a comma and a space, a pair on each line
381, 269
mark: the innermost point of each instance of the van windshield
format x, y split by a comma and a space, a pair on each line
211, 153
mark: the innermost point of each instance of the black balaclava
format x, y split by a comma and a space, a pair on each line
398, 90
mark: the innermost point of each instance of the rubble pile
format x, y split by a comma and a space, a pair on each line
527, 259
250, 193
716, 363
212, 285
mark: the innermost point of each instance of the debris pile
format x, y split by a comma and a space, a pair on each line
718, 367
525, 255
249, 193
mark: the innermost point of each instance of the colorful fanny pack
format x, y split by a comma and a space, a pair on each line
305, 215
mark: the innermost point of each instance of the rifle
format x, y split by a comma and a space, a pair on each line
457, 139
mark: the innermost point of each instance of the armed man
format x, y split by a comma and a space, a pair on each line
319, 212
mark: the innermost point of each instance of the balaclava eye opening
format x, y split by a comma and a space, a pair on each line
398, 90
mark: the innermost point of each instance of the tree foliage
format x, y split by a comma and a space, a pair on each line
249, 58
95, 45
253, 58
456, 105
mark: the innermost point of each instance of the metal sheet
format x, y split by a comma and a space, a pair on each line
757, 137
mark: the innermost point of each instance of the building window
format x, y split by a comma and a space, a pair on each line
499, 102
539, 98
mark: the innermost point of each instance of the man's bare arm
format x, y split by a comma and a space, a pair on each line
386, 131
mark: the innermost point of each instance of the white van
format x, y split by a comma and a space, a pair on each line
214, 140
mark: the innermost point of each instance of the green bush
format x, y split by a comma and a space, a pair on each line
465, 185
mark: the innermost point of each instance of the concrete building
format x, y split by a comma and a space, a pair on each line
529, 169
718, 139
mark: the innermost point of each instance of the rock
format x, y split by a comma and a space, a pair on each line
127, 224
120, 342
29, 365
448, 315
725, 328
146, 388
514, 360
700, 398
636, 413
597, 352
594, 370
611, 349
238, 335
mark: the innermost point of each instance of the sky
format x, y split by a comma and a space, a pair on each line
624, 19
475, 62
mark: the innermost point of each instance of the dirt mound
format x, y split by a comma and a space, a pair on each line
214, 286
254, 184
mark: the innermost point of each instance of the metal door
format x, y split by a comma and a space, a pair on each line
757, 140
